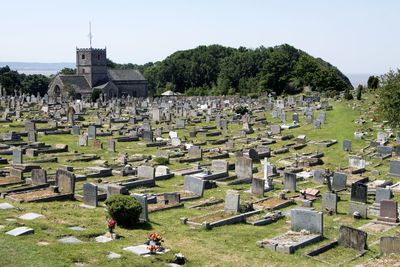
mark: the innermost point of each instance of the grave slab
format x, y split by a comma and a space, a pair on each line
20, 231
30, 216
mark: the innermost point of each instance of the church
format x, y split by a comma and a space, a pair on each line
92, 74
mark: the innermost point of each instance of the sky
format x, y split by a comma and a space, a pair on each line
357, 36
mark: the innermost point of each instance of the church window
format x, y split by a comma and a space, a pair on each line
83, 70
83, 56
98, 57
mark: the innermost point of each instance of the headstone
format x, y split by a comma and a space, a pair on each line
17, 156
388, 211
146, 172
244, 168
360, 209
321, 116
39, 176
347, 145
382, 194
162, 171
352, 238
194, 185
339, 181
76, 130
359, 192
32, 136
176, 142
90, 196
219, 166
385, 150
142, 199
97, 144
253, 154
317, 124
111, 145
289, 181
394, 168
20, 231
147, 136
83, 140
390, 245
172, 198
232, 201
275, 129
92, 132
65, 181
257, 187
329, 202
295, 117
195, 152
115, 189
357, 163
318, 176
311, 221
180, 124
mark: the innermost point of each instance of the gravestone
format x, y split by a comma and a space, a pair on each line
311, 221
244, 168
115, 189
360, 209
195, 152
257, 187
388, 211
295, 117
318, 176
90, 196
194, 185
146, 172
382, 194
275, 129
30, 126
97, 144
317, 124
253, 154
347, 145
339, 181
321, 116
142, 199
309, 119
65, 181
83, 140
172, 198
162, 171
390, 245
92, 132
32, 136
219, 166
359, 192
394, 168
283, 116
17, 156
39, 176
176, 142
232, 201
147, 136
111, 145
352, 238
357, 163
289, 181
76, 130
385, 150
180, 124
329, 202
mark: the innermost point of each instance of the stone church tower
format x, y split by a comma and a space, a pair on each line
92, 64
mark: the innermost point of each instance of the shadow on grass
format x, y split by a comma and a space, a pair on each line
142, 226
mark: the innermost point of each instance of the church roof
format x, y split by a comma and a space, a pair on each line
125, 75
78, 81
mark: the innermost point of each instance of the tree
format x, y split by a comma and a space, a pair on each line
66, 71
389, 97
95, 95
348, 95
373, 82
32, 84
359, 91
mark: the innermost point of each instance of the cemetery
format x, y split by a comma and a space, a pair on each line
286, 183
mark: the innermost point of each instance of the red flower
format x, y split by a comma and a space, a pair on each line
111, 224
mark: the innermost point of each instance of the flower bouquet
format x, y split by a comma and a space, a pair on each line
154, 243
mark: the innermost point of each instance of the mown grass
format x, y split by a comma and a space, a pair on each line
232, 245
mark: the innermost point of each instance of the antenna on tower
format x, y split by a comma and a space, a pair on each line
90, 34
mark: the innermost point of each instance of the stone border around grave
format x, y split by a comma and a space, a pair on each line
315, 252
285, 204
178, 205
314, 238
69, 196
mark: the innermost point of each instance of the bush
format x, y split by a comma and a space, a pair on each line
124, 209
162, 161
95, 95
348, 95
241, 110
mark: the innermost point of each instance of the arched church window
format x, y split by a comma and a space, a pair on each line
83, 56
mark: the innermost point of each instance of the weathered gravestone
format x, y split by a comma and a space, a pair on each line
83, 140
17, 156
359, 209
92, 132
97, 144
311, 221
253, 154
142, 199
219, 166
394, 168
388, 211
176, 142
76, 130
257, 187
321, 116
111, 145
65, 181
347, 145
289, 181
147, 136
339, 181
352, 238
194, 185
232, 201
244, 168
359, 192
32, 136
385, 150
90, 197
295, 117
275, 129
115, 189
146, 172
180, 124
329, 202
39, 176
318, 176
390, 245
195, 152
317, 124
172, 198
162, 171
357, 163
